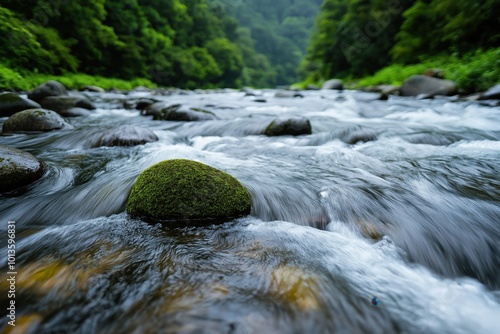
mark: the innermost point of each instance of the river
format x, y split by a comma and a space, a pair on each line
399, 234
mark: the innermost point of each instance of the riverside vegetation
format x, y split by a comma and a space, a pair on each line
388, 41
207, 44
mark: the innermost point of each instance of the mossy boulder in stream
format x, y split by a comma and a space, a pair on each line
292, 126
35, 120
181, 190
178, 113
17, 168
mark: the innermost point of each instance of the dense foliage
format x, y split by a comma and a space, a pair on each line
184, 43
358, 37
281, 30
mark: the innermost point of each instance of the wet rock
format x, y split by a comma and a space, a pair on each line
358, 136
140, 104
177, 112
75, 112
50, 88
383, 97
141, 89
260, 100
92, 89
294, 126
335, 84
426, 86
17, 168
491, 94
126, 135
60, 104
10, 103
35, 120
182, 190
288, 94
251, 92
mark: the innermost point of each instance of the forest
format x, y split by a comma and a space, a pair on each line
181, 43
356, 38
226, 43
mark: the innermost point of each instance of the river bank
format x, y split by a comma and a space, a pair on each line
473, 72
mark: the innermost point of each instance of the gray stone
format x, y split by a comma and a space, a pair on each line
293, 126
177, 112
419, 85
92, 89
60, 104
35, 120
17, 168
335, 84
491, 94
10, 103
126, 135
75, 112
288, 94
50, 88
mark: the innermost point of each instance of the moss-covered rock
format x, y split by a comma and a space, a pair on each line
10, 103
293, 126
177, 112
182, 190
17, 168
35, 120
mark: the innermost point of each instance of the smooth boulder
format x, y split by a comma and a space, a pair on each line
177, 112
35, 120
293, 126
50, 88
288, 94
181, 190
491, 94
421, 85
17, 168
10, 103
126, 135
335, 84
61, 104
92, 89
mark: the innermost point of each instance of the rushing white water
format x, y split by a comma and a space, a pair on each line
410, 217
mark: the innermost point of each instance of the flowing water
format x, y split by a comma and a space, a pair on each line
411, 219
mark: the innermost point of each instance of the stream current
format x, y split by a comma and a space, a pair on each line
399, 234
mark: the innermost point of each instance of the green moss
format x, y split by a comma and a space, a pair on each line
9, 98
184, 190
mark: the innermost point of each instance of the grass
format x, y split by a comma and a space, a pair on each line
13, 80
472, 72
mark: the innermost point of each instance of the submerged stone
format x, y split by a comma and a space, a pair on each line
181, 190
293, 126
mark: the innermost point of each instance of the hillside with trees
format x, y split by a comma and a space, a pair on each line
182, 43
356, 38
281, 30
